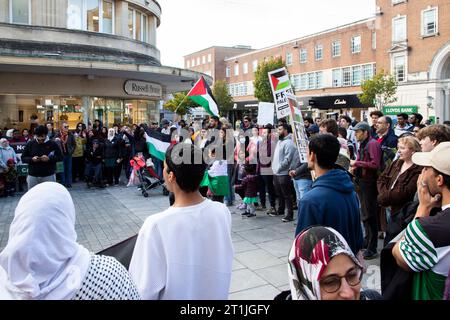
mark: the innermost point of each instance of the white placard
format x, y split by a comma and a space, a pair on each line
265, 113
281, 86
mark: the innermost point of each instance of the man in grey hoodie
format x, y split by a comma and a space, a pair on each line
285, 154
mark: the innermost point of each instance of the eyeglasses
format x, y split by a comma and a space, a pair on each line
333, 283
66, 127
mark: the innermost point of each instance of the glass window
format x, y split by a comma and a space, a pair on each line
255, 65
236, 69
356, 44
188, 64
303, 81
346, 77
130, 23
303, 55
319, 80
193, 62
198, 61
367, 71
295, 79
337, 77
75, 14
400, 68
203, 59
399, 29
336, 48
311, 80
429, 22
245, 68
374, 40
356, 77
92, 15
319, 52
288, 59
227, 72
209, 57
144, 28
107, 16
20, 10
137, 25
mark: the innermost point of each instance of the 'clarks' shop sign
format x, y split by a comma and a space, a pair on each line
142, 88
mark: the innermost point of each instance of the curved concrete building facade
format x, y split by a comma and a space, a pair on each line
80, 60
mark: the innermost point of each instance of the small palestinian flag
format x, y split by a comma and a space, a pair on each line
157, 143
201, 93
216, 179
280, 80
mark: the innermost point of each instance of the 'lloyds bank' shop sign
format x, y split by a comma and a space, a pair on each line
142, 88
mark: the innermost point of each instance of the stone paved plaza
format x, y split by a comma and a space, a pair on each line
107, 216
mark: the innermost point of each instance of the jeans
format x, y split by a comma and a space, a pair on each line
231, 173
32, 181
97, 168
66, 176
302, 187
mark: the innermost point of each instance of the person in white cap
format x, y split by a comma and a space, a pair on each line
425, 246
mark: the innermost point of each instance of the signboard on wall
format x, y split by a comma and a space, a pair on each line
395, 110
143, 88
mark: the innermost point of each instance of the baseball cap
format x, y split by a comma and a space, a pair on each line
437, 158
164, 121
362, 126
314, 128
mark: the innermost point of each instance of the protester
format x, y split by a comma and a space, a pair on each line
113, 157
398, 183
335, 275
425, 247
330, 126
94, 161
402, 124
431, 136
186, 251
374, 116
6, 153
11, 177
365, 169
332, 201
250, 187
264, 170
41, 154
43, 260
67, 142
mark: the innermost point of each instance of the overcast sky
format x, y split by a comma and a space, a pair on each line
191, 25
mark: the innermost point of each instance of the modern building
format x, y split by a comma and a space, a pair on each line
410, 39
80, 60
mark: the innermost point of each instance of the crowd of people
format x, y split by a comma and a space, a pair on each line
360, 183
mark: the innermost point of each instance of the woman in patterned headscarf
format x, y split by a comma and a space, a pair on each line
323, 267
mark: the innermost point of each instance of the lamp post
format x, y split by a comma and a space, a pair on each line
429, 105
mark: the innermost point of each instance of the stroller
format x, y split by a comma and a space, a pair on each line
148, 179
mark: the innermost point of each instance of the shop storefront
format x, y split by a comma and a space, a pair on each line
333, 106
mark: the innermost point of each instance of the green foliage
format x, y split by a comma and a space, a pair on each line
222, 97
263, 91
379, 91
180, 101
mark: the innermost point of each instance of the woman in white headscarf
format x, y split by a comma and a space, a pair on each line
113, 157
43, 261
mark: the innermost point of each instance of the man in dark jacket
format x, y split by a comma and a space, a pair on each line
67, 143
366, 169
41, 154
332, 201
388, 141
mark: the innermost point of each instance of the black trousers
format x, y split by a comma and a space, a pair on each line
78, 168
367, 192
266, 184
283, 185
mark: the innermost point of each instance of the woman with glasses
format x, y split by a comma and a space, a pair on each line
323, 267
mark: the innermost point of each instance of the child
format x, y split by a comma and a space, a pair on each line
249, 185
216, 178
10, 178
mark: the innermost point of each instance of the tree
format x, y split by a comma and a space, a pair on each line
379, 91
221, 95
263, 91
180, 101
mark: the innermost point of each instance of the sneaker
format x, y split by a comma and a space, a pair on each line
245, 213
272, 212
287, 219
369, 255
241, 206
248, 215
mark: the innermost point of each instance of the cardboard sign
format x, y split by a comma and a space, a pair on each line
265, 113
281, 86
298, 127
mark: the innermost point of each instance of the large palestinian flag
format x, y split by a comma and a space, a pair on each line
201, 93
157, 143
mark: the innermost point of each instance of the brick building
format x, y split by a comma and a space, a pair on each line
408, 38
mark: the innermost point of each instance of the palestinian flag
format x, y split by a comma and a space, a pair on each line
201, 94
280, 81
216, 179
157, 143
